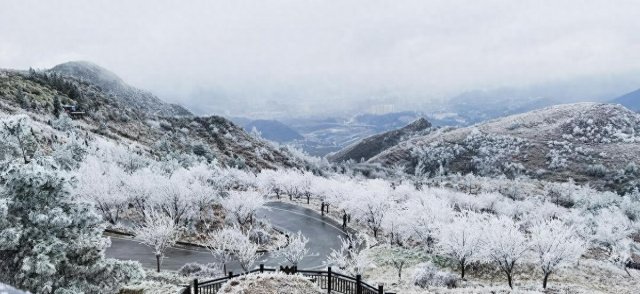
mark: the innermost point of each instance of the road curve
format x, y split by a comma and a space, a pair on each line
323, 234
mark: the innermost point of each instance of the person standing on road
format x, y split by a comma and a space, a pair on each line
344, 221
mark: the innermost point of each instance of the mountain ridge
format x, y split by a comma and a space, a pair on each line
554, 143
111, 83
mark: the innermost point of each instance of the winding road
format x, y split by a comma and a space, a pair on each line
323, 234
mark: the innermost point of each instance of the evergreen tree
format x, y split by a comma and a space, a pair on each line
22, 100
52, 243
57, 107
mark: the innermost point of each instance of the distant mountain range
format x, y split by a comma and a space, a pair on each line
273, 130
629, 100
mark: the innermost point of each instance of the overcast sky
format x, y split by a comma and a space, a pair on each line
313, 53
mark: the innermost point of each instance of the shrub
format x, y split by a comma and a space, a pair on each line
259, 236
426, 274
195, 269
597, 170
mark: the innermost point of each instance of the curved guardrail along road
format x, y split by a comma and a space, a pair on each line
323, 234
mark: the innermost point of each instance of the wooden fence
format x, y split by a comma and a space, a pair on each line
327, 280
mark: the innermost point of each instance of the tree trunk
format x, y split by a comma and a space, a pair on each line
509, 280
544, 281
462, 266
158, 262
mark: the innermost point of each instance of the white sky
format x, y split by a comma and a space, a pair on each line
313, 52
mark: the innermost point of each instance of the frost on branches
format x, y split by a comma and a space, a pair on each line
51, 242
554, 245
158, 232
296, 250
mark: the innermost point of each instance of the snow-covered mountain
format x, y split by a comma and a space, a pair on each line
112, 110
373, 145
113, 85
587, 142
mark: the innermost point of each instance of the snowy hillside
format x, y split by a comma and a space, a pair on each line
134, 119
589, 142
371, 146
113, 85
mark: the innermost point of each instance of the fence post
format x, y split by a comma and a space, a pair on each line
380, 289
329, 280
195, 286
230, 275
261, 268
358, 284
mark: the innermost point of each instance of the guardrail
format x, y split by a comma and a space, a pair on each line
327, 280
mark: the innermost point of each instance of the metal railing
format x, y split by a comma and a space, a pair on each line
327, 280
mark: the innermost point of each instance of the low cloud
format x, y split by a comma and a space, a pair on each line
309, 56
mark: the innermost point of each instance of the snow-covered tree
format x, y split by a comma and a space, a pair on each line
554, 245
103, 184
296, 250
399, 257
371, 204
51, 242
159, 232
461, 239
174, 200
352, 257
241, 206
18, 138
69, 154
222, 243
504, 244
246, 252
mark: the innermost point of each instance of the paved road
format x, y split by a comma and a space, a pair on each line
322, 232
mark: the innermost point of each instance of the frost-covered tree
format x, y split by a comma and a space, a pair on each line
174, 200
51, 242
222, 243
554, 245
461, 239
70, 154
371, 204
504, 244
18, 138
352, 256
296, 250
158, 232
241, 206
399, 258
103, 184
246, 252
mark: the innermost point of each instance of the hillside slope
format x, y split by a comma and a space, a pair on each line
113, 85
125, 122
629, 100
371, 146
587, 142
